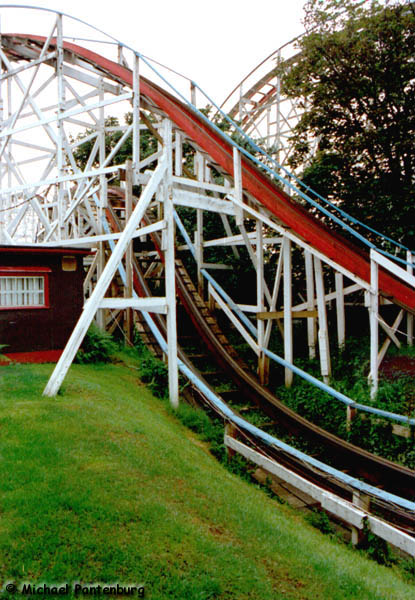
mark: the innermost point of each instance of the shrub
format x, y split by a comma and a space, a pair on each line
98, 346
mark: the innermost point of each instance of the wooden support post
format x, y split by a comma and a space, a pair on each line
128, 290
136, 117
178, 153
311, 322
170, 271
288, 319
323, 334
360, 501
263, 368
374, 329
350, 415
341, 328
237, 180
230, 431
410, 317
199, 162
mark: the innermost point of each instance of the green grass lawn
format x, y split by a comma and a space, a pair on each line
104, 484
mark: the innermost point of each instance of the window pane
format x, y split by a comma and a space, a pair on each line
22, 291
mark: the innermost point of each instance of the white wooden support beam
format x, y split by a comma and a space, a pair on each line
228, 312
352, 514
136, 117
128, 289
153, 305
374, 329
60, 159
237, 181
389, 331
100, 316
288, 319
199, 163
111, 267
392, 267
311, 321
410, 317
170, 270
178, 154
263, 360
323, 334
341, 324
275, 293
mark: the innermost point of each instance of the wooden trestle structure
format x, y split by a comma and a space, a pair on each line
52, 89
56, 97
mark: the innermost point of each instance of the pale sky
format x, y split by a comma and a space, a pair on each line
214, 42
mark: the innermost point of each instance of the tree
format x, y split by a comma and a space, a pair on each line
356, 76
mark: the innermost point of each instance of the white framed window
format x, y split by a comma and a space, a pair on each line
23, 288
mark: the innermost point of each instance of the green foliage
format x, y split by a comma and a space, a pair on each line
375, 547
320, 520
356, 78
97, 346
350, 378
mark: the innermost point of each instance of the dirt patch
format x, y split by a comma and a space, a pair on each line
396, 367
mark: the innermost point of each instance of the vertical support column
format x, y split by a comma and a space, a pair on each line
288, 315
410, 317
170, 272
60, 130
199, 228
237, 181
311, 321
360, 501
193, 93
178, 154
128, 290
323, 335
374, 328
278, 115
100, 316
136, 117
341, 328
263, 363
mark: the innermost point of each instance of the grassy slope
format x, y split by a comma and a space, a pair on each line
104, 484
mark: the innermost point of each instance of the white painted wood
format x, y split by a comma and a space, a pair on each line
88, 313
310, 304
222, 304
275, 293
288, 318
339, 507
92, 240
392, 535
298, 241
410, 316
323, 334
212, 187
389, 265
351, 289
374, 329
200, 201
136, 118
390, 331
170, 270
341, 323
262, 359
237, 181
153, 305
